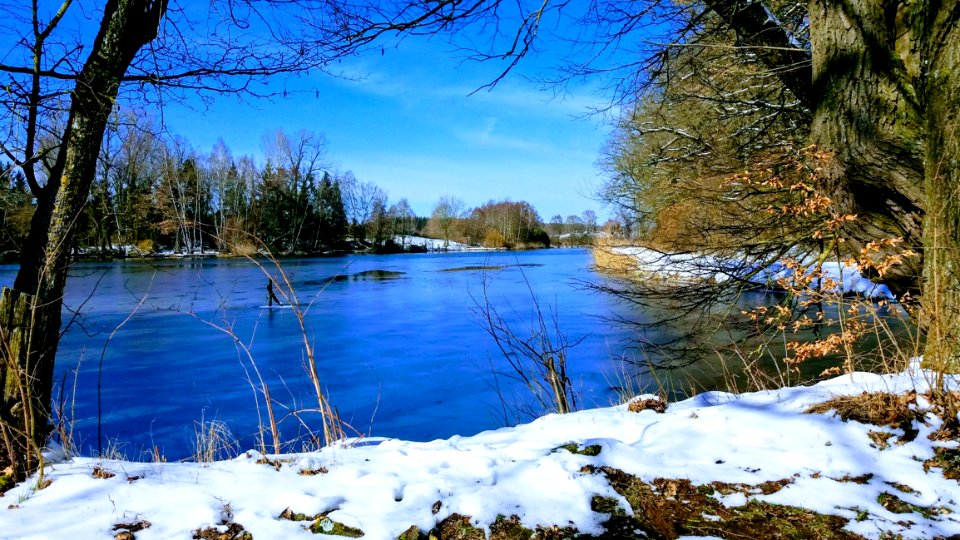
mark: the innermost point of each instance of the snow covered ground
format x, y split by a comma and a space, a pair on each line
434, 244
382, 487
693, 266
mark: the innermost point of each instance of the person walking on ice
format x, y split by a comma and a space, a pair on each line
271, 297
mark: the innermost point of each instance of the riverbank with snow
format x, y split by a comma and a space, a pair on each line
592, 472
693, 267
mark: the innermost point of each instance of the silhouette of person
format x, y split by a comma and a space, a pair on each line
271, 297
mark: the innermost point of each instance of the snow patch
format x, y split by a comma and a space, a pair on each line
382, 486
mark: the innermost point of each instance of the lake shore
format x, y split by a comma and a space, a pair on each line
380, 325
715, 465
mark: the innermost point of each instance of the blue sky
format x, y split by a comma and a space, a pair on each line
405, 120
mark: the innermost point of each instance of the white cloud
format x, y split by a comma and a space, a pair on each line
524, 96
486, 135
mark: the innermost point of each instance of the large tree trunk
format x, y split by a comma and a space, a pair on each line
867, 118
885, 98
940, 31
22, 417
32, 311
864, 108
888, 77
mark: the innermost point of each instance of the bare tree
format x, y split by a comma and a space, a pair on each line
445, 215
300, 160
359, 201
380, 224
590, 221
221, 177
182, 196
63, 82
404, 221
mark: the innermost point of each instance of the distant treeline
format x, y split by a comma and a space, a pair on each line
154, 193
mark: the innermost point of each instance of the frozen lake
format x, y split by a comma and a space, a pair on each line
400, 348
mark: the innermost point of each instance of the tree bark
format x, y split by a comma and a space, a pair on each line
20, 412
859, 82
939, 27
127, 25
868, 118
885, 98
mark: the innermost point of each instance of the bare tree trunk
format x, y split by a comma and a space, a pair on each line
869, 120
885, 99
127, 25
890, 114
23, 416
941, 273
864, 107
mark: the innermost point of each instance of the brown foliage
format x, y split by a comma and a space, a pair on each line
656, 405
227, 531
876, 408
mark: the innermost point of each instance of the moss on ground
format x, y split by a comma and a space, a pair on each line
413, 533
6, 483
897, 505
606, 505
668, 508
325, 525
758, 519
457, 527
947, 459
509, 528
321, 524
764, 488
574, 448
557, 533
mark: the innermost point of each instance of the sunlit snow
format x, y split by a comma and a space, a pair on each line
383, 486
693, 266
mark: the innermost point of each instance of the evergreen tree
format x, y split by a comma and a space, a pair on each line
334, 215
16, 209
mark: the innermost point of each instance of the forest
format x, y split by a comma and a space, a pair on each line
154, 194
757, 143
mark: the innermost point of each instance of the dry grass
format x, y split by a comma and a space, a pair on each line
214, 442
144, 247
126, 530
605, 259
227, 531
875, 408
313, 472
656, 405
251, 247
114, 450
242, 248
101, 473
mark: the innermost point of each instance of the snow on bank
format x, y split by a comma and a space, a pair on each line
434, 244
384, 486
688, 266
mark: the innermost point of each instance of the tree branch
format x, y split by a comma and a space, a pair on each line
777, 48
